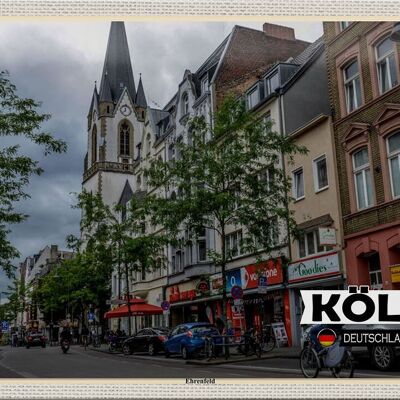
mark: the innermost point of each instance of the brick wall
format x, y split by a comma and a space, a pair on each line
249, 54
335, 44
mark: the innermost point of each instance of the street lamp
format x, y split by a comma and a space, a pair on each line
395, 35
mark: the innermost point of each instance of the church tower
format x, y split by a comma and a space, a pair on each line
115, 122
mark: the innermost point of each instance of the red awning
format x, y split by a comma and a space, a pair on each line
137, 306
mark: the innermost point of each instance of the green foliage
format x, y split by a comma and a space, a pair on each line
19, 117
15, 293
228, 174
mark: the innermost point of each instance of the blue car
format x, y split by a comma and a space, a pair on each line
187, 339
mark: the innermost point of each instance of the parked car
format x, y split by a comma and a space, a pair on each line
150, 340
382, 357
35, 338
188, 339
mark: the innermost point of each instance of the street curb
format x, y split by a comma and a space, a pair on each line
238, 360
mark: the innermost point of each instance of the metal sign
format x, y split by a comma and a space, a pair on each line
327, 236
166, 312
237, 292
90, 316
238, 302
165, 305
262, 284
4, 325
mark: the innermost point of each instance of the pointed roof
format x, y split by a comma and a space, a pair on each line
117, 67
105, 94
95, 99
140, 96
126, 194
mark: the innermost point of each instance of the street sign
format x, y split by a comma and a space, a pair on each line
90, 316
237, 292
262, 284
238, 302
4, 326
166, 312
165, 305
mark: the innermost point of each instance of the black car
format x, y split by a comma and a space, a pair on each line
35, 339
150, 340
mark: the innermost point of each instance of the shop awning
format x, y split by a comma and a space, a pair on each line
138, 307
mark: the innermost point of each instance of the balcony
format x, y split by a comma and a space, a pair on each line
108, 166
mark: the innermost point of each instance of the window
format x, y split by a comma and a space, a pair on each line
271, 83
374, 269
202, 247
94, 144
393, 151
362, 178
148, 143
138, 183
185, 103
267, 177
298, 184
252, 98
308, 244
233, 243
352, 86
344, 25
124, 139
386, 65
273, 231
204, 85
320, 173
171, 152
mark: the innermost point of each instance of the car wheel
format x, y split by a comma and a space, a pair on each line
126, 349
152, 350
383, 357
185, 353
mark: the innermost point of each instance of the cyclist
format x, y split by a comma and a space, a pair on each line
84, 335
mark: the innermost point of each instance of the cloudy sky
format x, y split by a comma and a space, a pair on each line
57, 64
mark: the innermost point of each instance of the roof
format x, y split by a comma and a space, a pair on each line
308, 52
140, 96
126, 194
117, 67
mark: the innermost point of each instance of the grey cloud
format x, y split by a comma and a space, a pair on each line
57, 63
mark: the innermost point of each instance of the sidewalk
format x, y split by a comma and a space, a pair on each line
284, 352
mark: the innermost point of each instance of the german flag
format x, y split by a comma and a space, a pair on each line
326, 337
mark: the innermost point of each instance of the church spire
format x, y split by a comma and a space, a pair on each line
117, 70
140, 96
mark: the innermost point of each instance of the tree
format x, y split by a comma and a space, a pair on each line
109, 242
227, 174
15, 293
19, 117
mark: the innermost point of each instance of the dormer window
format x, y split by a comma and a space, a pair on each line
271, 83
204, 85
344, 25
252, 98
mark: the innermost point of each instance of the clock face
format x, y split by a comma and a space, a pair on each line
125, 110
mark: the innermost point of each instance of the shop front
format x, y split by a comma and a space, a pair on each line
261, 305
196, 300
321, 272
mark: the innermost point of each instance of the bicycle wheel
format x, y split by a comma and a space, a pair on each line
346, 367
210, 351
309, 363
268, 344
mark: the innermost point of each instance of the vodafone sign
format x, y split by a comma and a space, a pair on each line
249, 274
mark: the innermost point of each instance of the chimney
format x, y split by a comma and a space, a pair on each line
279, 31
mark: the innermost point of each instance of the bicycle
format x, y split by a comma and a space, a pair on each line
96, 341
336, 358
209, 348
267, 340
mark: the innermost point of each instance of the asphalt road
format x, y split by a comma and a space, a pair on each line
78, 363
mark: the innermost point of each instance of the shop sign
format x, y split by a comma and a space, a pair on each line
203, 287
216, 284
327, 236
248, 277
395, 273
183, 292
312, 268
280, 333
